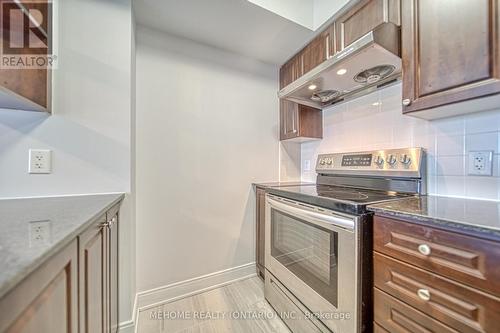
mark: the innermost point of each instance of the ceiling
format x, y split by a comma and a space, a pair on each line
233, 25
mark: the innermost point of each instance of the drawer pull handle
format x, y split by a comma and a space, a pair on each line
424, 249
424, 294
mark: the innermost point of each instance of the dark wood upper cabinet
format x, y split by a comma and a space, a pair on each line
363, 18
291, 70
26, 89
315, 52
300, 122
330, 34
450, 52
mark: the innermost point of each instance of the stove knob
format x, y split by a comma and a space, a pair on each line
405, 159
329, 161
322, 162
392, 159
379, 161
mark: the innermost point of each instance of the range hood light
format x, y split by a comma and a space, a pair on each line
312, 87
341, 71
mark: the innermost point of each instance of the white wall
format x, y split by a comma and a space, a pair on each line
324, 9
298, 11
207, 127
375, 121
89, 131
308, 13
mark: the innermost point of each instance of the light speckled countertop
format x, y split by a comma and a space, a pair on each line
466, 215
63, 217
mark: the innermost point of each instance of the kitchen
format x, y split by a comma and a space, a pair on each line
151, 178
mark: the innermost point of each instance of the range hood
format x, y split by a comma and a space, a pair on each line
368, 63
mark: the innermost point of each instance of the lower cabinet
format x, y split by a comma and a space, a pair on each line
112, 217
430, 279
260, 231
98, 254
47, 300
74, 291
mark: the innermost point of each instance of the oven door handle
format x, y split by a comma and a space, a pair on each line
312, 217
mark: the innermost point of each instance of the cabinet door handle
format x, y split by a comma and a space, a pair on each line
406, 102
424, 249
424, 294
294, 120
112, 222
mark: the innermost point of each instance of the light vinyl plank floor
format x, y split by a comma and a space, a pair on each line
238, 307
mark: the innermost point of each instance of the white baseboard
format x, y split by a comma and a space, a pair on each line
127, 327
154, 297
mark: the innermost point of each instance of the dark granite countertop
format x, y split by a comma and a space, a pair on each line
463, 215
63, 217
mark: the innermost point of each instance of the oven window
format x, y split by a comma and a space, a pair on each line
308, 251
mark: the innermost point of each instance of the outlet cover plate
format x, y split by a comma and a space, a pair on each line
40, 161
40, 233
480, 163
307, 165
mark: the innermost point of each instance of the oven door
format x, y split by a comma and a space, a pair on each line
313, 252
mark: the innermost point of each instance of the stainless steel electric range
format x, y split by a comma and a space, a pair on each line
319, 238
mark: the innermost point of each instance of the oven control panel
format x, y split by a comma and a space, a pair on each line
402, 162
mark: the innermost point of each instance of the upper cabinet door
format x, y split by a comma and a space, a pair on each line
316, 52
291, 70
363, 18
25, 49
450, 51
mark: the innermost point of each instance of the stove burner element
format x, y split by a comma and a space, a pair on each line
342, 195
374, 74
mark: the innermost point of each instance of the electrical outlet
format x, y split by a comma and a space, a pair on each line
40, 233
307, 165
481, 163
40, 161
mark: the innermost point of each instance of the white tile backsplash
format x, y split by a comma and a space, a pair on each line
482, 122
451, 185
361, 125
482, 187
482, 141
450, 166
450, 145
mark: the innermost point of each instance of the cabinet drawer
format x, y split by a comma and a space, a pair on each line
458, 306
397, 317
470, 260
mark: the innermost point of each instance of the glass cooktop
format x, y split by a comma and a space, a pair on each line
346, 193
336, 197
